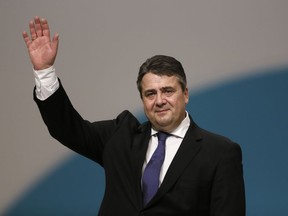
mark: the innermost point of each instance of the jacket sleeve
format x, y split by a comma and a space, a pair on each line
228, 194
68, 127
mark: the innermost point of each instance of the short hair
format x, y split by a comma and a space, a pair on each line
162, 65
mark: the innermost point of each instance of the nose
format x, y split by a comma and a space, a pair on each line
160, 100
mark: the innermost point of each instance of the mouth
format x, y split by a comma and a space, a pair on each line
161, 111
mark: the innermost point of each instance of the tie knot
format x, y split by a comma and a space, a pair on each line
162, 136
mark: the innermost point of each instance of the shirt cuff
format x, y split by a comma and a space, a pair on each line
46, 82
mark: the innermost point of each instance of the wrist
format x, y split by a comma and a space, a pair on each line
44, 69
37, 68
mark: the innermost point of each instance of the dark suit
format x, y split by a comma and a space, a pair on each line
205, 176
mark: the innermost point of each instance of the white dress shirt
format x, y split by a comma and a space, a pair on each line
46, 82
173, 143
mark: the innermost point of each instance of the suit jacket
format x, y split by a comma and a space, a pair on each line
205, 177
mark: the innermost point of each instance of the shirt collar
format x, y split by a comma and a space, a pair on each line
181, 130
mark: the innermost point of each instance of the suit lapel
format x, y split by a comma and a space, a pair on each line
138, 154
188, 149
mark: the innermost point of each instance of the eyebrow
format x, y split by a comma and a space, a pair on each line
161, 89
167, 88
149, 90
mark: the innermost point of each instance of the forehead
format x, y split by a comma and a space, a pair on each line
152, 81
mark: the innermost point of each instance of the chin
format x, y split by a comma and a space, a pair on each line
163, 124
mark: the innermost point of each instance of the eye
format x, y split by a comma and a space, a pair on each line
150, 94
168, 91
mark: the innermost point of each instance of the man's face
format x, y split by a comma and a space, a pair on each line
164, 101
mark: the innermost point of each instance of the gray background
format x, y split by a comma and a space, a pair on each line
102, 44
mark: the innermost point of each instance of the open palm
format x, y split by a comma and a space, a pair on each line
42, 50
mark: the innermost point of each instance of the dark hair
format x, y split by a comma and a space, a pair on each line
162, 65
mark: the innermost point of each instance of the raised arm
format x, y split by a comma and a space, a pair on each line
42, 50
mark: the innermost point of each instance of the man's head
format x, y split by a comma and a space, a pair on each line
163, 90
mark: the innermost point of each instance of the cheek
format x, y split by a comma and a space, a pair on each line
179, 104
148, 105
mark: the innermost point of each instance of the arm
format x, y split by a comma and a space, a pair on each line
228, 194
62, 120
67, 126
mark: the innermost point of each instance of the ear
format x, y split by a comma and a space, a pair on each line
186, 95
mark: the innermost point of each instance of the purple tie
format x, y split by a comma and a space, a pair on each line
150, 179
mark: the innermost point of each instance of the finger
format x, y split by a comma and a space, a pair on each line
26, 38
45, 28
38, 26
32, 30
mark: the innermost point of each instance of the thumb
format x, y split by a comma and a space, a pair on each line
55, 42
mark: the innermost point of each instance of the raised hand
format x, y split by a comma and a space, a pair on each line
42, 50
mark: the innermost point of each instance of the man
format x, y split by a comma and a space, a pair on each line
188, 172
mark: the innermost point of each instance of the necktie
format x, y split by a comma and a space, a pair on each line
150, 179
